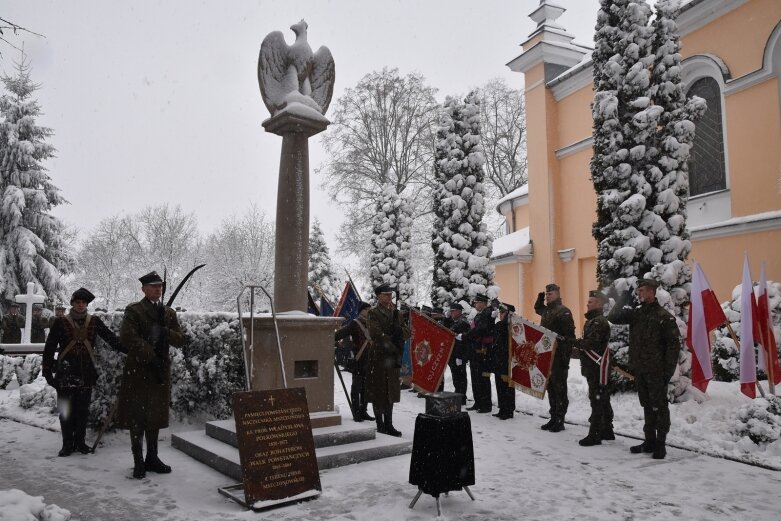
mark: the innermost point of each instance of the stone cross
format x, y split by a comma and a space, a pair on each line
29, 299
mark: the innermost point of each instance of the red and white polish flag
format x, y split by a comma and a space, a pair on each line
705, 315
748, 363
764, 331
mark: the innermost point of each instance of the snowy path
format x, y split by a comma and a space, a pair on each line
521, 471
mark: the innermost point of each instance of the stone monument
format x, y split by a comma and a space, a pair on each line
296, 85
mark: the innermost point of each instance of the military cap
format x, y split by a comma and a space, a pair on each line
506, 307
595, 293
383, 288
59, 306
13, 305
647, 283
552, 287
151, 278
480, 298
456, 305
82, 294
363, 305
437, 310
426, 310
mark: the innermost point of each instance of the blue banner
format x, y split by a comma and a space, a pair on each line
348, 303
311, 307
326, 309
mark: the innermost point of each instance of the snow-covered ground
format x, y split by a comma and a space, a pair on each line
521, 471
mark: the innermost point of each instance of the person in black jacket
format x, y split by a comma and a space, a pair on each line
500, 362
357, 330
481, 339
460, 355
557, 318
74, 373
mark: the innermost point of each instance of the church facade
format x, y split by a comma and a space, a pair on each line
731, 52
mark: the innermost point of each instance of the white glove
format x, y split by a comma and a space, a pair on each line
458, 336
459, 362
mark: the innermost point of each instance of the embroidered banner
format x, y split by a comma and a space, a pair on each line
531, 356
430, 350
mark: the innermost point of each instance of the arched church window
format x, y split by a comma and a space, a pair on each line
707, 172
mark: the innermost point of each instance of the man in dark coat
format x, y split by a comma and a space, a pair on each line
148, 329
595, 366
388, 332
13, 323
74, 373
460, 355
38, 325
654, 345
481, 339
500, 363
557, 318
357, 331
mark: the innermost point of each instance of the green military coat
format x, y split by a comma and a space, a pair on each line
143, 399
596, 336
384, 363
12, 329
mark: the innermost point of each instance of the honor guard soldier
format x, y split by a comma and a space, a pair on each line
460, 355
148, 329
654, 345
388, 333
557, 318
357, 330
595, 366
481, 339
13, 323
74, 373
38, 325
500, 363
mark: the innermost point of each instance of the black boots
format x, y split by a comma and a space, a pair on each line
547, 426
380, 423
594, 437
139, 470
389, 429
647, 447
608, 435
152, 463
660, 452
556, 426
66, 450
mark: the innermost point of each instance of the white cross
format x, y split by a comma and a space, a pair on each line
29, 299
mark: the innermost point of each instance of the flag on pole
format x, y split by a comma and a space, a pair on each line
705, 315
764, 328
748, 363
311, 307
532, 348
430, 348
326, 308
347, 307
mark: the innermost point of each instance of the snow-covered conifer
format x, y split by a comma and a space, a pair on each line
391, 259
32, 243
321, 278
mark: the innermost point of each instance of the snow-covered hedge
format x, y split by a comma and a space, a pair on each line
25, 368
18, 506
760, 420
37, 394
205, 372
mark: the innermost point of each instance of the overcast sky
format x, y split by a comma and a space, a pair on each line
158, 101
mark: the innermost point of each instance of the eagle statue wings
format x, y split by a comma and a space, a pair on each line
293, 73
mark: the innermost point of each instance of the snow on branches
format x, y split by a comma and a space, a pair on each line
391, 246
321, 278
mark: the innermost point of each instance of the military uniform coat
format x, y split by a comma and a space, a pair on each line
38, 330
143, 399
596, 336
558, 318
12, 329
355, 331
384, 363
74, 342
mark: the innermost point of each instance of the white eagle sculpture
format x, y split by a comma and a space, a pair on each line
291, 74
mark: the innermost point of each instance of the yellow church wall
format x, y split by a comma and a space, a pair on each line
575, 117
749, 25
753, 137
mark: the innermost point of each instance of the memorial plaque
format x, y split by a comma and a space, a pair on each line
276, 448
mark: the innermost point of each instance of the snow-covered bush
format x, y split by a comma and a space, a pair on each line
28, 368
760, 420
16, 505
7, 370
37, 394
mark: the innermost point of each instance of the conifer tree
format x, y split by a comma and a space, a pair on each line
32, 243
321, 276
390, 258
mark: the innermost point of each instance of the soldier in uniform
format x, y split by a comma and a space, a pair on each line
460, 355
500, 361
595, 366
388, 332
148, 329
654, 345
75, 371
557, 318
13, 323
358, 332
38, 325
481, 339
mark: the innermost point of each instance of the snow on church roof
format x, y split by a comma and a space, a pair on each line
515, 243
518, 192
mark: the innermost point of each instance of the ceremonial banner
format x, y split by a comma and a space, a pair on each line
430, 350
705, 315
347, 307
531, 356
748, 361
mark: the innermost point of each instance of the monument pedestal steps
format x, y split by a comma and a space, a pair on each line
335, 446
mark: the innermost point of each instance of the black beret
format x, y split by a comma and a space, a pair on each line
151, 278
595, 293
82, 294
552, 287
480, 298
648, 283
383, 288
363, 305
456, 306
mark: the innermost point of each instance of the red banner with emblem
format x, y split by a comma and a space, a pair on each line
430, 350
531, 356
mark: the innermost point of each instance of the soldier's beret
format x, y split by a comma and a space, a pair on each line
383, 288
363, 305
82, 294
456, 306
552, 287
480, 298
151, 278
647, 283
595, 293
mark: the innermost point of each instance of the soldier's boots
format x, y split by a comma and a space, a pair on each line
608, 434
593, 438
660, 452
648, 446
556, 426
83, 448
153, 464
66, 450
389, 429
380, 423
365, 414
547, 426
139, 469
